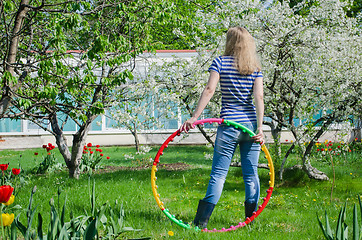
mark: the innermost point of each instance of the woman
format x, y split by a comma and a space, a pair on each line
240, 76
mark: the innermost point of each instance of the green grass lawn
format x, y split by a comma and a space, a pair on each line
290, 214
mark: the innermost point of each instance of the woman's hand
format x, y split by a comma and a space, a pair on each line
189, 124
259, 137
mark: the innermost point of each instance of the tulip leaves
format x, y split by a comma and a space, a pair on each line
341, 232
110, 218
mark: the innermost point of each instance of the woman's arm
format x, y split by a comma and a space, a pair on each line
203, 101
259, 105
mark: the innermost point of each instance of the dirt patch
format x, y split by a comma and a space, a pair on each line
173, 166
166, 166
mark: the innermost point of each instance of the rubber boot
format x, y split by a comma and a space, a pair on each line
204, 211
249, 209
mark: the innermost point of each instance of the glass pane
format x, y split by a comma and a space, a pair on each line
9, 125
166, 121
32, 126
69, 126
111, 123
97, 124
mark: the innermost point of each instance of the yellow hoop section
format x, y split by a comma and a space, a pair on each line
270, 165
154, 187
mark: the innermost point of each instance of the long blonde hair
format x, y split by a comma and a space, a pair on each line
241, 45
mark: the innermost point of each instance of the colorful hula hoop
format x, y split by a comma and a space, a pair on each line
188, 226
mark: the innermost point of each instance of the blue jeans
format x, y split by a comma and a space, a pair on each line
227, 139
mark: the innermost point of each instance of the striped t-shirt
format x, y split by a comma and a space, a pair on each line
236, 91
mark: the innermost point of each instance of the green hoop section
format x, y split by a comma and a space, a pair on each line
188, 226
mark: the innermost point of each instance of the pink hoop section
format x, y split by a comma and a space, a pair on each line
209, 120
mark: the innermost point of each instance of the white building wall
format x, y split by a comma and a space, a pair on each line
32, 137
24, 141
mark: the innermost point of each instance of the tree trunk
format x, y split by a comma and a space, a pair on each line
307, 167
14, 40
314, 173
136, 139
207, 137
4, 105
5, 99
260, 165
133, 130
281, 170
60, 139
276, 134
72, 159
77, 149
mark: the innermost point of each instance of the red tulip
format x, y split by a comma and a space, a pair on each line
108, 157
44, 146
89, 144
101, 154
97, 146
16, 171
4, 167
5, 193
91, 152
36, 153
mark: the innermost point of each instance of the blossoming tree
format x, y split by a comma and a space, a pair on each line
184, 80
311, 70
310, 55
145, 108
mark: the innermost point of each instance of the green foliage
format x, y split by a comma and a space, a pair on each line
341, 232
26, 230
110, 218
180, 29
